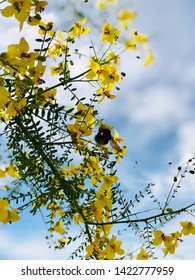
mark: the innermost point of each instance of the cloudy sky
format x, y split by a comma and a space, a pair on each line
154, 112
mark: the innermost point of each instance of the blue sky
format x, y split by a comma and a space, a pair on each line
154, 112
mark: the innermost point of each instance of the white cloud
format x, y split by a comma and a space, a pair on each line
32, 246
186, 143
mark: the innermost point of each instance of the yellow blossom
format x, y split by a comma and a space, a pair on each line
12, 170
113, 57
77, 30
103, 195
170, 241
18, 50
20, 58
57, 49
19, 9
37, 72
4, 97
108, 75
35, 20
49, 95
59, 69
84, 122
158, 237
46, 28
13, 108
139, 38
94, 248
2, 173
149, 59
143, 255
21, 104
113, 247
108, 180
62, 242
7, 216
109, 33
12, 216
94, 68
102, 4
4, 204
187, 228
58, 227
172, 244
130, 45
72, 172
105, 92
126, 17
40, 6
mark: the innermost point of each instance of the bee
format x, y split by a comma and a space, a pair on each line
103, 136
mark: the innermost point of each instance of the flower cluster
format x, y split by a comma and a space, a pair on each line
10, 170
104, 248
21, 10
6, 215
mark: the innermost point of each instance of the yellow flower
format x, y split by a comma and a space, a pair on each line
13, 108
58, 227
149, 59
37, 72
57, 49
46, 28
62, 242
4, 204
109, 34
104, 195
49, 95
159, 237
7, 216
2, 173
94, 66
112, 57
59, 69
171, 243
105, 92
130, 45
139, 38
19, 9
77, 30
113, 247
40, 6
102, 4
72, 172
187, 228
4, 97
126, 17
108, 75
12, 216
12, 170
19, 57
33, 21
84, 122
143, 255
108, 181
95, 249
114, 143
21, 104
18, 50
